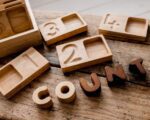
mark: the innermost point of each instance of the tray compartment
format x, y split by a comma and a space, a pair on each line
72, 22
9, 78
95, 48
135, 25
19, 20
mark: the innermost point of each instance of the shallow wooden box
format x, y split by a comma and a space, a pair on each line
124, 27
18, 28
21, 71
83, 53
62, 28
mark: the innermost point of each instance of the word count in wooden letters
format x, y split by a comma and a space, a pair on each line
62, 28
123, 27
83, 53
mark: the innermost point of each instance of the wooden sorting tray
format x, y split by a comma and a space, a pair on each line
83, 53
123, 27
21, 71
62, 28
18, 27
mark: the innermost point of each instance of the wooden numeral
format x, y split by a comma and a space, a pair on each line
72, 54
136, 67
51, 28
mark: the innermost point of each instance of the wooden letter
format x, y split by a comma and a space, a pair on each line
21, 71
65, 91
91, 90
62, 28
136, 67
83, 53
115, 76
41, 97
124, 28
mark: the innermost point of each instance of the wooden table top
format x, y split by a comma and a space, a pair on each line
129, 102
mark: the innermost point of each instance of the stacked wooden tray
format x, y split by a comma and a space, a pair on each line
18, 28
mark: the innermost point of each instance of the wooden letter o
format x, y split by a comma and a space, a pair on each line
65, 92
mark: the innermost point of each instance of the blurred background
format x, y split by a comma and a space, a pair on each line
95, 7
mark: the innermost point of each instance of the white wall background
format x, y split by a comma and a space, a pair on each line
96, 7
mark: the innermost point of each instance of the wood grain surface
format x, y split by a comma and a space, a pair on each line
129, 102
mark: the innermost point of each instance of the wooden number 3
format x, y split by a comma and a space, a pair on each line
71, 53
52, 28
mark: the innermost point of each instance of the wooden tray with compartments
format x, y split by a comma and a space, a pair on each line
18, 28
124, 27
62, 28
83, 53
21, 71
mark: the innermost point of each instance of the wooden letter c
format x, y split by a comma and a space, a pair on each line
41, 97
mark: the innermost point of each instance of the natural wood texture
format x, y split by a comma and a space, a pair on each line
21, 71
62, 28
116, 103
129, 102
116, 75
65, 92
83, 53
91, 90
18, 27
41, 97
124, 27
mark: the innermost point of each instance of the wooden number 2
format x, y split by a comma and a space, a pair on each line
72, 56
